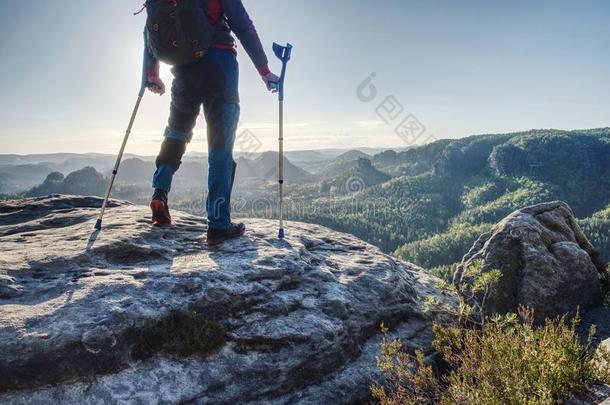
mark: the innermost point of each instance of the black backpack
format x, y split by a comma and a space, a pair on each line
178, 32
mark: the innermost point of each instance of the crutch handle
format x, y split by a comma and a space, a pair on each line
283, 53
273, 86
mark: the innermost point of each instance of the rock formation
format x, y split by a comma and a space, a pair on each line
139, 314
545, 260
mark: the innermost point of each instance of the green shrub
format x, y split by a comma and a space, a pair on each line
499, 360
409, 385
511, 362
507, 361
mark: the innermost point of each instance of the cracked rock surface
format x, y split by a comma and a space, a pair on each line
139, 314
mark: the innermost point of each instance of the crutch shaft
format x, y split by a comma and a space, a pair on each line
118, 161
281, 164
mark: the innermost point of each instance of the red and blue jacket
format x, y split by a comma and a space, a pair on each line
228, 16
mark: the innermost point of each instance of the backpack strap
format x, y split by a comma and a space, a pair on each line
182, 40
140, 11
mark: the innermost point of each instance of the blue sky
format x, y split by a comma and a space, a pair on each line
70, 71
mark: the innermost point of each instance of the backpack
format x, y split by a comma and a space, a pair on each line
178, 32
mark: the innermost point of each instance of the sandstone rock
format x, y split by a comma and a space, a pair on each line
599, 318
546, 263
605, 344
139, 314
593, 395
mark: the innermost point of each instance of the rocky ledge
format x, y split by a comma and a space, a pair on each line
139, 314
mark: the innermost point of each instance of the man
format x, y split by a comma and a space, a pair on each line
212, 81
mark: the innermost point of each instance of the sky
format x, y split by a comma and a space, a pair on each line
70, 73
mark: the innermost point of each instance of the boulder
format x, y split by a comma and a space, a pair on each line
545, 261
142, 314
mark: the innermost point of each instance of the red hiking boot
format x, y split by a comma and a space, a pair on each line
160, 209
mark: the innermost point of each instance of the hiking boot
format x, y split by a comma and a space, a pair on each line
217, 236
160, 209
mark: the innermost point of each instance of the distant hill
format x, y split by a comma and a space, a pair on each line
18, 178
308, 156
265, 167
86, 181
67, 162
138, 172
361, 175
19, 173
51, 158
135, 171
352, 155
553, 157
100, 163
134, 178
340, 164
316, 161
193, 171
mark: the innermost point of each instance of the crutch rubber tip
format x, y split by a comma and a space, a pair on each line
281, 234
98, 225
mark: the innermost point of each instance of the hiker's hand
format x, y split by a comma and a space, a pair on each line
156, 85
271, 81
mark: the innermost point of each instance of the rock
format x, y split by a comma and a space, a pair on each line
8, 289
596, 394
140, 314
600, 319
605, 344
545, 260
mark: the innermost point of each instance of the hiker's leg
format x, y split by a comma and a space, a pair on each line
221, 108
170, 157
184, 110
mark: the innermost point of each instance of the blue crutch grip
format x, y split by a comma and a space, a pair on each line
283, 53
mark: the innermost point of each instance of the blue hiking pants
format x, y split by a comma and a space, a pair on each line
213, 83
